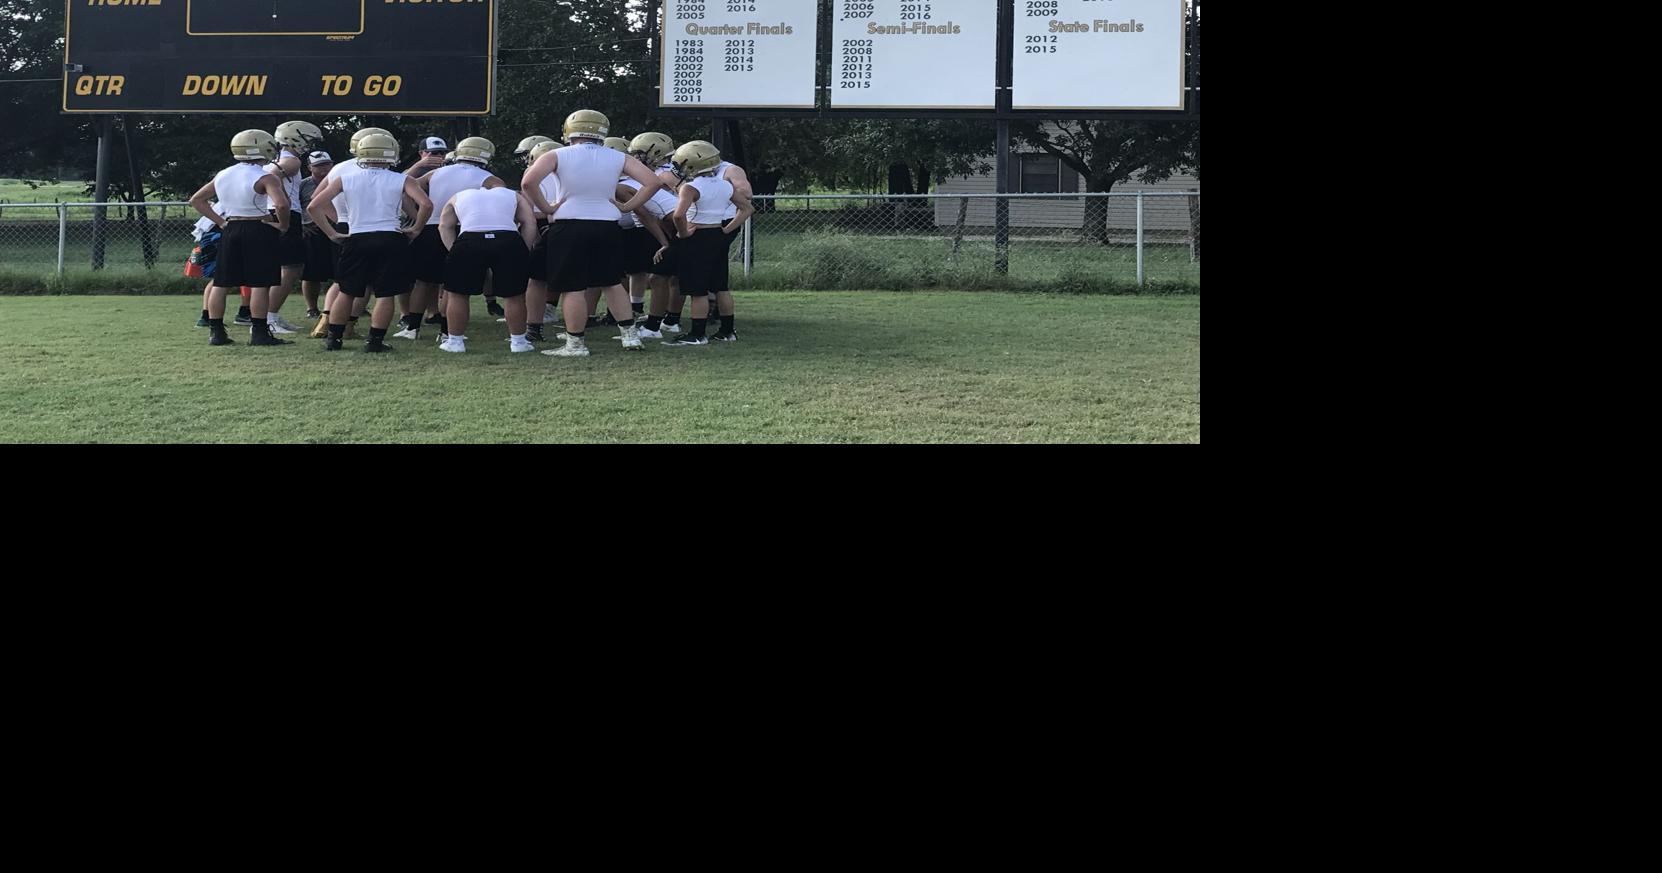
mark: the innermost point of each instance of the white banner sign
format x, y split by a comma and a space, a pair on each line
1099, 54
914, 54
739, 53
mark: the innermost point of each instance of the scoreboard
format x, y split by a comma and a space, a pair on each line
320, 57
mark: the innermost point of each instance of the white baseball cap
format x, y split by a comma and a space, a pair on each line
434, 144
320, 158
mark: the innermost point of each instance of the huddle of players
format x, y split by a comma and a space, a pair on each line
598, 218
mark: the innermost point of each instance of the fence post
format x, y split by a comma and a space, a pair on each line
958, 229
1194, 224
63, 226
1001, 206
63, 233
1141, 276
101, 192
748, 251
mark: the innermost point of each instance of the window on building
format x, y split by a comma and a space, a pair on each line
1041, 174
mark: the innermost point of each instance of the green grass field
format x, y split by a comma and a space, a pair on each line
21, 191
810, 367
821, 260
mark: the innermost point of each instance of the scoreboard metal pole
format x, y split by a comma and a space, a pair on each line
101, 191
1001, 138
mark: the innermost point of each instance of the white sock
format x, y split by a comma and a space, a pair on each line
519, 338
271, 318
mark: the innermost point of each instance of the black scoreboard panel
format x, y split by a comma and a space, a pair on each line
320, 57
274, 17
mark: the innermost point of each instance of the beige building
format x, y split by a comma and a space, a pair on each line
1039, 173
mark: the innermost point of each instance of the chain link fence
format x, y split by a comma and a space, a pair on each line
123, 241
1051, 242
1040, 241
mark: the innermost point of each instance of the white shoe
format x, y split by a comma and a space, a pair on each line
643, 333
520, 346
444, 338
455, 345
550, 314
574, 348
502, 321
276, 328
409, 333
287, 328
631, 338
671, 329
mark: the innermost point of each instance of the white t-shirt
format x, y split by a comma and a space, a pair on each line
291, 184
588, 178
377, 196
343, 208
235, 187
715, 199
732, 208
481, 209
550, 192
446, 182
662, 204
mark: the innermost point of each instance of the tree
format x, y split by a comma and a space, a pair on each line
557, 56
1107, 153
35, 139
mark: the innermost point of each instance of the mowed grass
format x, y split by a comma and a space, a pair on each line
809, 367
37, 191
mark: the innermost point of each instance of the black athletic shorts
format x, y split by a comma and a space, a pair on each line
320, 256
702, 263
502, 252
293, 248
668, 266
639, 245
539, 255
584, 254
427, 255
249, 255
336, 247
379, 260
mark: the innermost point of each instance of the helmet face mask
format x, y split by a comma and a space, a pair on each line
299, 137
523, 151
254, 145
652, 149
695, 159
